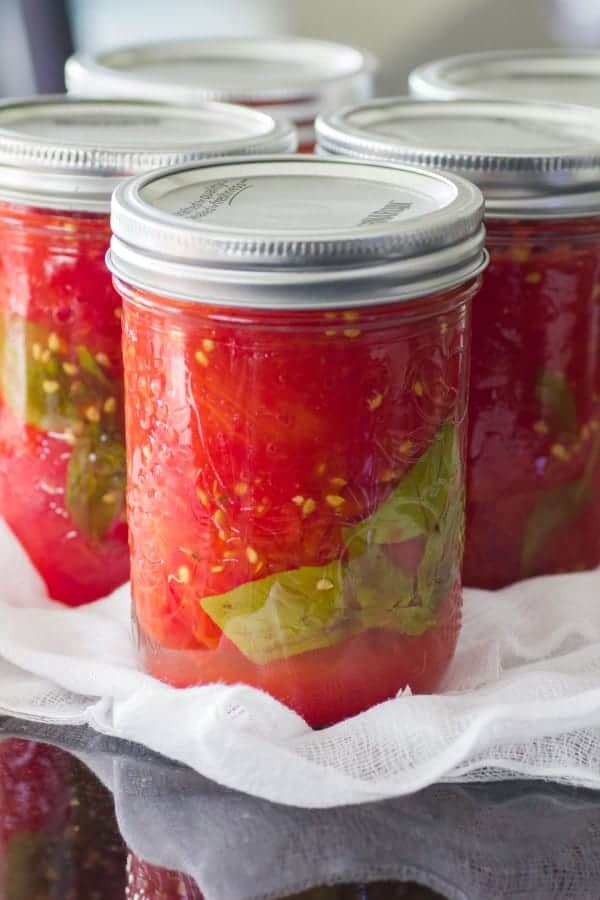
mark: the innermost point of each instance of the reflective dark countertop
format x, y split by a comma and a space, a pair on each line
83, 817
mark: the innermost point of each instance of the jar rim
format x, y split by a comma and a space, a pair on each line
529, 74
302, 74
531, 160
68, 153
296, 232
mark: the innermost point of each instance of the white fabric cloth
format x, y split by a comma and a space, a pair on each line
521, 700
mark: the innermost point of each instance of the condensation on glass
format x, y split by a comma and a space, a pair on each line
296, 381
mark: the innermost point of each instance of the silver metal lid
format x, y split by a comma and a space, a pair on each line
302, 76
64, 153
555, 76
529, 159
296, 231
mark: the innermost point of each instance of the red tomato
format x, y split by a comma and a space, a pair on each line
534, 421
328, 685
258, 442
61, 403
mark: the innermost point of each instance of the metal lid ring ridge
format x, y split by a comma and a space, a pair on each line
65, 153
530, 160
368, 232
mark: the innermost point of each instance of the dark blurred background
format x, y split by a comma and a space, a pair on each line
37, 35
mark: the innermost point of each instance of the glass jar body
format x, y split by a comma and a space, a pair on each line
295, 495
533, 499
62, 456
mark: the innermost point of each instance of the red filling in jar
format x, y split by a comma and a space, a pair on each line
62, 454
534, 442
533, 473
276, 466
296, 475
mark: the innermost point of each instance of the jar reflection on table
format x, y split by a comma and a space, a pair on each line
58, 834
378, 890
149, 882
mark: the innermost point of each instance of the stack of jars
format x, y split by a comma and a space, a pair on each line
301, 337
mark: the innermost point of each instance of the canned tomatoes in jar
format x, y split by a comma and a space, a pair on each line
296, 344
295, 77
533, 499
62, 456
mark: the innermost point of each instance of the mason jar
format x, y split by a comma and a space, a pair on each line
296, 344
62, 455
294, 77
534, 421
550, 75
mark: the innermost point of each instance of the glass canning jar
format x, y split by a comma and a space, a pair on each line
549, 75
293, 77
533, 504
62, 456
296, 341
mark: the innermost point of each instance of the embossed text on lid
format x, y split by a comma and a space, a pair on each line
283, 222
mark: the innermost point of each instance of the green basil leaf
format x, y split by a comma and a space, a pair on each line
386, 596
95, 488
428, 501
557, 402
37, 389
41, 384
51, 391
317, 606
88, 364
283, 614
557, 509
440, 567
418, 503
410, 620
